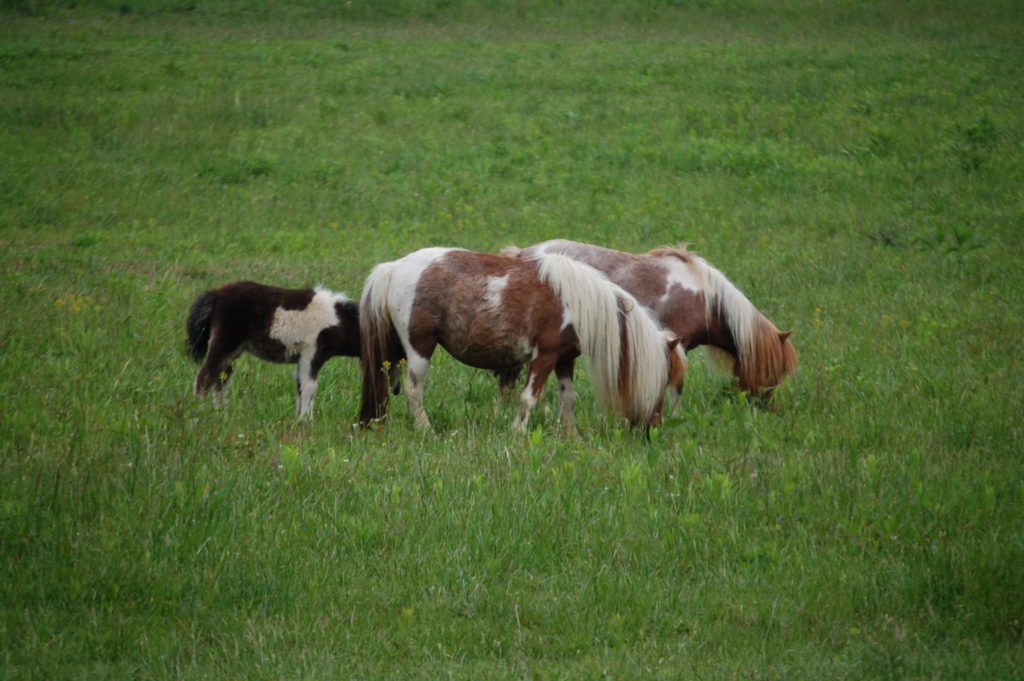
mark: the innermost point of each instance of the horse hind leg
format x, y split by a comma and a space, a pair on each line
416, 374
215, 374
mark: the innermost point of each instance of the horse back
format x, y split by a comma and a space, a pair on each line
244, 316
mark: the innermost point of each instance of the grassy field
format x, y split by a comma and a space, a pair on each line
856, 168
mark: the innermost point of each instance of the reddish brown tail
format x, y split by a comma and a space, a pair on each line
380, 351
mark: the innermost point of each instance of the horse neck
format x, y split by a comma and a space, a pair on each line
717, 334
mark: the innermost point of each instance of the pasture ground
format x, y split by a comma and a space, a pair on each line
857, 169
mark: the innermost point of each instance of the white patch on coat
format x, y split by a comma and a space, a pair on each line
495, 288
525, 350
678, 273
297, 330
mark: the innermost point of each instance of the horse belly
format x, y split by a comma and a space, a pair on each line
271, 350
489, 350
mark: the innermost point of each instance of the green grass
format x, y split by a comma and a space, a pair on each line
855, 168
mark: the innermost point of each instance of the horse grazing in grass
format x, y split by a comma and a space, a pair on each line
695, 302
305, 327
497, 313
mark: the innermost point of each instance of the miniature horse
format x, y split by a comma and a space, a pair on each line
305, 327
494, 312
694, 301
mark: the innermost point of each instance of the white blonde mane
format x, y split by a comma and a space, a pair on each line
593, 305
740, 314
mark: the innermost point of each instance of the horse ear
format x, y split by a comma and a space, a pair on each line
673, 342
783, 335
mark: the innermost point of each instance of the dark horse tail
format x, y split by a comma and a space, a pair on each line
199, 325
380, 347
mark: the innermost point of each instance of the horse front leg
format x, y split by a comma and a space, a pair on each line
305, 384
539, 370
566, 393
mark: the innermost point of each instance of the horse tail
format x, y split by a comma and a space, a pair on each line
380, 348
625, 348
764, 355
198, 325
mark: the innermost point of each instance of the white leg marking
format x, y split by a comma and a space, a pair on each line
306, 385
526, 404
416, 374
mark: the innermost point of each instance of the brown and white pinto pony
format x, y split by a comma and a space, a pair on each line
695, 302
305, 327
497, 313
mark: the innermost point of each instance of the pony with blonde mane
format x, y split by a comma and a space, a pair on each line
499, 313
696, 302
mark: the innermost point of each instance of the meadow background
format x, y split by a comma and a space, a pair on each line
856, 168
